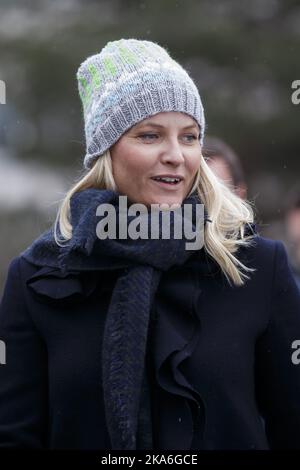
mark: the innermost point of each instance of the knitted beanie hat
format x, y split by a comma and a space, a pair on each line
128, 81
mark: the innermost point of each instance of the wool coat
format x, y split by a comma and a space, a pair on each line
228, 351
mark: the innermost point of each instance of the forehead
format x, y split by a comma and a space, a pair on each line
169, 119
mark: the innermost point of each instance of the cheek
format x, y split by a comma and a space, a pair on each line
129, 169
135, 168
193, 164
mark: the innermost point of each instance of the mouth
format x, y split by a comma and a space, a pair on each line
168, 181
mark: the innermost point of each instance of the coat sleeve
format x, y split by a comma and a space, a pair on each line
23, 375
277, 371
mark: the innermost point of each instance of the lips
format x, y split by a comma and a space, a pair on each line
172, 180
167, 186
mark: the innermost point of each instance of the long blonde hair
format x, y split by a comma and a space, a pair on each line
228, 214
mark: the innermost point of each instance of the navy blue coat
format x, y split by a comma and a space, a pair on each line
230, 345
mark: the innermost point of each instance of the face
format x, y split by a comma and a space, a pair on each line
164, 145
220, 169
292, 226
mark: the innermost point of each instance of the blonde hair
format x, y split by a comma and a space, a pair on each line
223, 235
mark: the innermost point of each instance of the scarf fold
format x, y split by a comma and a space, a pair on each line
125, 335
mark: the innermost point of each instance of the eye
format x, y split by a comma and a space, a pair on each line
144, 136
191, 137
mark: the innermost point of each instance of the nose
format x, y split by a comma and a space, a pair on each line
172, 153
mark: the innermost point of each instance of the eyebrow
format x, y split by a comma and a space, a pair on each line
154, 124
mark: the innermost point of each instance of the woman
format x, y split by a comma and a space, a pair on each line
133, 343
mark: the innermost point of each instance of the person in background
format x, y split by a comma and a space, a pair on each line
226, 164
292, 230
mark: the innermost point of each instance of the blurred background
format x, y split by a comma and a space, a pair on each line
243, 56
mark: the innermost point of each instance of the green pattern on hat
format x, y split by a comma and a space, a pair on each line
109, 66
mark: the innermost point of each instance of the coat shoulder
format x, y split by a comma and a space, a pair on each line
262, 244
262, 251
64, 287
18, 271
270, 260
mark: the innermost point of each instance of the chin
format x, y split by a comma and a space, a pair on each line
165, 200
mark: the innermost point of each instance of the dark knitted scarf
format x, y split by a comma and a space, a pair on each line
126, 327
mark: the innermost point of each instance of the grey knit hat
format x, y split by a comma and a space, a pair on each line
128, 81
